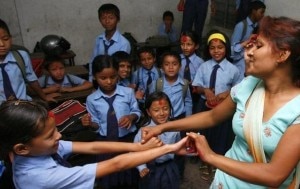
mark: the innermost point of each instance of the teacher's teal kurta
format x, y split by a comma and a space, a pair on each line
271, 132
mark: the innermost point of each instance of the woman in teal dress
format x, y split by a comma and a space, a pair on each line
265, 104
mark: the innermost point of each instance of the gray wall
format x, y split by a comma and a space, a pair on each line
77, 20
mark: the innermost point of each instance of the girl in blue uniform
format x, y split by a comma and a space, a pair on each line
163, 171
113, 112
28, 135
213, 82
190, 61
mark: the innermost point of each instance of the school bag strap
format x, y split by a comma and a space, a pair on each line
67, 75
245, 25
138, 75
20, 63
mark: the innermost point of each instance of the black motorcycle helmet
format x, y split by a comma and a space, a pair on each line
54, 45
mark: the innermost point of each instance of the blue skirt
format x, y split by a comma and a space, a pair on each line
123, 179
219, 137
161, 176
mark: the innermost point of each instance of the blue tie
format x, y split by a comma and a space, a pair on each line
187, 73
60, 160
8, 90
213, 76
112, 121
149, 81
106, 47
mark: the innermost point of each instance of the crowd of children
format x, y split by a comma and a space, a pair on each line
160, 89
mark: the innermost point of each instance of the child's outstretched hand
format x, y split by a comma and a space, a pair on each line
200, 142
180, 147
152, 143
149, 132
144, 172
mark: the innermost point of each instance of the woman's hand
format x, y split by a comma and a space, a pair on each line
148, 133
200, 142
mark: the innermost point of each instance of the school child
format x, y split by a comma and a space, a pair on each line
28, 135
111, 40
167, 28
173, 85
242, 9
15, 75
57, 81
163, 171
242, 33
190, 61
145, 75
123, 60
213, 82
114, 109
177, 90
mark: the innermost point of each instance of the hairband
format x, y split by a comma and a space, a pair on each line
216, 36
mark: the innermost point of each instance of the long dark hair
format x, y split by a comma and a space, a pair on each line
21, 121
101, 62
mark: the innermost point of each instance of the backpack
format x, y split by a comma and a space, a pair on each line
36, 63
68, 121
160, 83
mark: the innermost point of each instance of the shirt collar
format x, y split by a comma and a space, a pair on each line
178, 80
37, 161
221, 64
115, 37
118, 91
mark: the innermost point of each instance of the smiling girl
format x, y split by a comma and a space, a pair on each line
163, 171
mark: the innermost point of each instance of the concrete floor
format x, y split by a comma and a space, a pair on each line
192, 176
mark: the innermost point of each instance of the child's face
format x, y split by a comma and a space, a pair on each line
5, 43
258, 14
168, 21
47, 142
159, 111
124, 70
109, 21
188, 46
147, 60
217, 50
171, 66
107, 80
57, 70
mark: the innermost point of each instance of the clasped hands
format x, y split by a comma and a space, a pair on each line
194, 144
